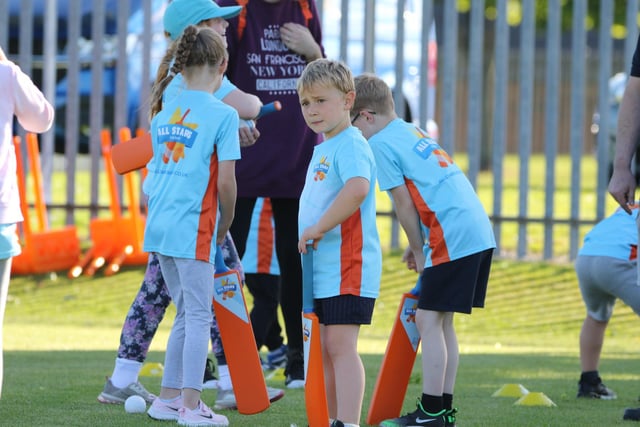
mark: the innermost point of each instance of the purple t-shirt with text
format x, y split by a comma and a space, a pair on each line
261, 64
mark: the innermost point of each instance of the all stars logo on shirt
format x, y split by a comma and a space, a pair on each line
176, 135
321, 169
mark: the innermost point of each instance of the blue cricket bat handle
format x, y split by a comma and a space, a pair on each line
416, 289
221, 267
269, 108
307, 281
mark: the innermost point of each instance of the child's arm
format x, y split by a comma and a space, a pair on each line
226, 197
248, 107
347, 201
410, 221
246, 104
32, 109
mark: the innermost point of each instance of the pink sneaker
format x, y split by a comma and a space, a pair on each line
201, 416
167, 411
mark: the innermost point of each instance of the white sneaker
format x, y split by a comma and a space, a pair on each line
165, 411
201, 416
226, 399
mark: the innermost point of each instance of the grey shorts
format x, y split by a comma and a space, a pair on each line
602, 279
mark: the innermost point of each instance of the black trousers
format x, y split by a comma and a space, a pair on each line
265, 289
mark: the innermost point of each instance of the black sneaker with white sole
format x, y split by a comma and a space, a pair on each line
595, 390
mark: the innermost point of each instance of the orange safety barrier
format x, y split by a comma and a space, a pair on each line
43, 250
116, 240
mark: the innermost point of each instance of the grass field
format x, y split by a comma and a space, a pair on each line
61, 337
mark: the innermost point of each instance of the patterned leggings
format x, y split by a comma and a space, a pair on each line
148, 308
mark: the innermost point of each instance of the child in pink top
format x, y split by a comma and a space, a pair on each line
21, 98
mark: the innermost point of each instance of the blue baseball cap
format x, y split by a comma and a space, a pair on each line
179, 14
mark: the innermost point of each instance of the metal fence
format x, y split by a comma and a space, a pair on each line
503, 92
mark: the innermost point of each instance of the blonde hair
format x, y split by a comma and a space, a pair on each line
372, 93
326, 72
197, 46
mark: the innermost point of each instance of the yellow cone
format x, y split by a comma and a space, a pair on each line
511, 390
152, 370
276, 374
535, 399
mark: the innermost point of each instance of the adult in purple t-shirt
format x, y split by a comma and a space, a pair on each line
270, 43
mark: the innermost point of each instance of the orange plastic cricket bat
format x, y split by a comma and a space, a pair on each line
238, 340
315, 396
134, 154
397, 363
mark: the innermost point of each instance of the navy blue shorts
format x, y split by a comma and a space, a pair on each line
344, 310
457, 285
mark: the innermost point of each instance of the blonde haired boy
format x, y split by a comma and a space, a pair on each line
450, 237
338, 215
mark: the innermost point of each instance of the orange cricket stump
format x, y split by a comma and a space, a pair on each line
116, 240
82, 263
44, 250
116, 262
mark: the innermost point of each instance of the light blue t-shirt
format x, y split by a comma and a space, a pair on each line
260, 250
177, 85
348, 259
190, 135
453, 219
615, 236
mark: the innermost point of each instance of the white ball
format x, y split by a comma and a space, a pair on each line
135, 404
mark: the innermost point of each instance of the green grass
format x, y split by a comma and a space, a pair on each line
61, 336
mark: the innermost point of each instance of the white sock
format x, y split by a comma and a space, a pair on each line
224, 382
125, 372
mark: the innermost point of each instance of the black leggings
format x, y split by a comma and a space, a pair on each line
285, 218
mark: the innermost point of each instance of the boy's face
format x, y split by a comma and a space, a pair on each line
326, 109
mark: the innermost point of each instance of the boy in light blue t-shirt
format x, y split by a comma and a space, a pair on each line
338, 214
450, 237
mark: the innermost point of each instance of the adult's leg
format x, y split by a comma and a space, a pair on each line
241, 222
274, 339
285, 217
264, 314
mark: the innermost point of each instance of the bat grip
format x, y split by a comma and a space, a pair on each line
416, 289
269, 108
221, 267
307, 280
